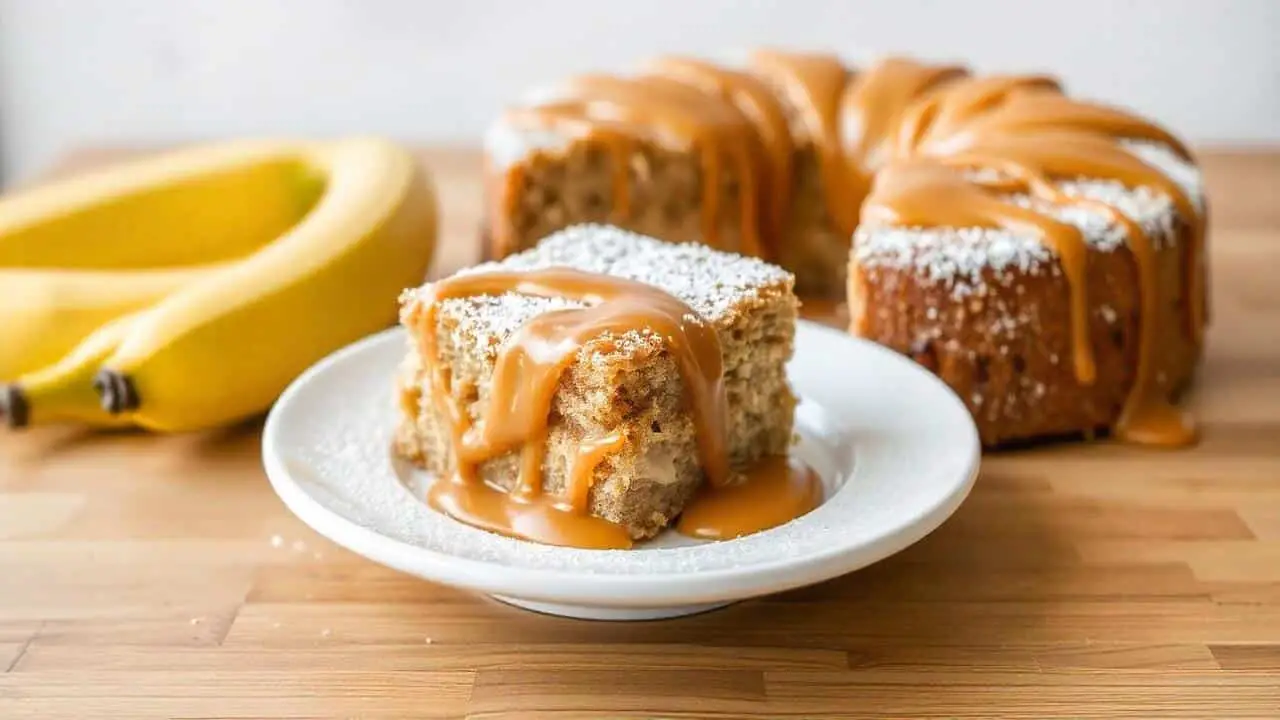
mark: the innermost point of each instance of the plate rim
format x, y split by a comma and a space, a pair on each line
583, 587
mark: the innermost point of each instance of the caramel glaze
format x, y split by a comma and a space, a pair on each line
761, 108
923, 193
813, 86
582, 469
612, 111
526, 375
874, 102
942, 119
1030, 134
540, 518
777, 490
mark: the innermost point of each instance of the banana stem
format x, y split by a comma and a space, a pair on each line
116, 391
14, 407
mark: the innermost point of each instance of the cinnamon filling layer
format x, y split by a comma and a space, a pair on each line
526, 376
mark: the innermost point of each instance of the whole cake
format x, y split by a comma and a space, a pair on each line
1042, 254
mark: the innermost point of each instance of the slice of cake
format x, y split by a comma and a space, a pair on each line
623, 398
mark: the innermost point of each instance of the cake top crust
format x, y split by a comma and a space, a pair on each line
712, 283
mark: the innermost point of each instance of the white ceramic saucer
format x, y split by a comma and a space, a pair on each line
896, 449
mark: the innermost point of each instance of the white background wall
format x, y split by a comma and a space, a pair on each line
81, 71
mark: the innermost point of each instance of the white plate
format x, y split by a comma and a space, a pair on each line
897, 452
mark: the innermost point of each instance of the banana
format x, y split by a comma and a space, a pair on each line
45, 313
64, 392
208, 204
226, 347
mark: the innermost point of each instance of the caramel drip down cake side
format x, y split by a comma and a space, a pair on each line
623, 394
987, 308
650, 153
1055, 250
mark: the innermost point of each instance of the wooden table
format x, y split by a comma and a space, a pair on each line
156, 577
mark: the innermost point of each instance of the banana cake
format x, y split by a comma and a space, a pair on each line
1043, 254
622, 393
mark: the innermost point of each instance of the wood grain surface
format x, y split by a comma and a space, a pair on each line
159, 577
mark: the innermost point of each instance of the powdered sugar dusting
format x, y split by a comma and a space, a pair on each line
1152, 211
1160, 156
958, 257
710, 282
505, 144
499, 316
954, 256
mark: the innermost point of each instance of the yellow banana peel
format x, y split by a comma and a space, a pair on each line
228, 270
46, 313
64, 391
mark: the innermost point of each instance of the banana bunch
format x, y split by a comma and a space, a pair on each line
186, 291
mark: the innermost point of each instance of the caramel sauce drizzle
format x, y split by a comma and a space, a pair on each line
761, 108
583, 468
876, 99
777, 490
613, 111
1030, 112
942, 120
541, 518
813, 86
924, 193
